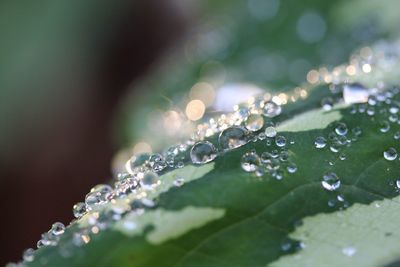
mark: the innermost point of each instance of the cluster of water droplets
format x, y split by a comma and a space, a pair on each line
248, 123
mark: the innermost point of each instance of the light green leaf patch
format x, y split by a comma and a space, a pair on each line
310, 120
362, 235
168, 224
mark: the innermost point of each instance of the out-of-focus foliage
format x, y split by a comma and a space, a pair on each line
270, 44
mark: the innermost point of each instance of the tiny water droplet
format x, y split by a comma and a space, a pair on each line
271, 109
320, 142
280, 141
342, 156
349, 251
250, 161
232, 137
357, 131
330, 181
179, 182
254, 122
203, 152
286, 245
390, 154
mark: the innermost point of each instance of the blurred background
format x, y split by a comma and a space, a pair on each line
85, 85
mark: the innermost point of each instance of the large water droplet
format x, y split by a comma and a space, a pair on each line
98, 195
150, 181
139, 160
341, 128
250, 161
280, 141
79, 209
57, 228
331, 181
390, 154
384, 126
254, 122
270, 132
355, 93
203, 152
271, 109
292, 168
157, 162
320, 142
233, 137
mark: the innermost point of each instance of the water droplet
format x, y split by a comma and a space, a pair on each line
330, 181
280, 141
397, 136
79, 209
57, 228
284, 155
292, 168
394, 109
349, 251
320, 142
150, 181
355, 93
393, 118
241, 114
254, 122
29, 255
286, 245
384, 126
259, 172
203, 152
98, 195
139, 160
342, 156
39, 244
371, 111
179, 182
49, 239
357, 131
80, 239
334, 148
327, 103
232, 137
271, 109
340, 198
270, 132
126, 186
390, 154
341, 129
157, 162
250, 161
398, 184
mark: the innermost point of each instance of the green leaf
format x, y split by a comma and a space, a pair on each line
223, 216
